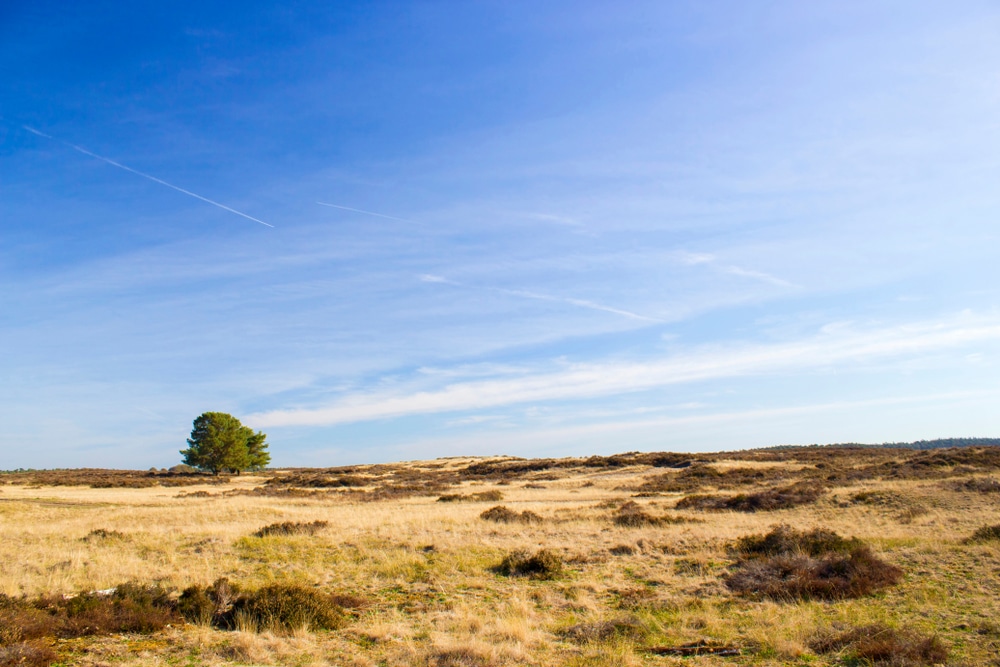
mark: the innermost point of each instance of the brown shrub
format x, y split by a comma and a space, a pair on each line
27, 654
787, 565
292, 528
881, 645
984, 534
786, 578
626, 627
502, 514
544, 564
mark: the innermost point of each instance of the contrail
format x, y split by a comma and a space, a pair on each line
580, 303
358, 210
147, 176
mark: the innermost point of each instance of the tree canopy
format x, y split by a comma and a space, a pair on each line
219, 442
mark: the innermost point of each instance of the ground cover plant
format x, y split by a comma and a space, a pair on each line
586, 562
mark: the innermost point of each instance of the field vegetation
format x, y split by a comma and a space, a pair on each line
809, 556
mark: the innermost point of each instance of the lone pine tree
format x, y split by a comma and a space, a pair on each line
219, 442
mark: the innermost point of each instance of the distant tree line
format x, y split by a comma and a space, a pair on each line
938, 443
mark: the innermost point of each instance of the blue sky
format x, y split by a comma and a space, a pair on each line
528, 228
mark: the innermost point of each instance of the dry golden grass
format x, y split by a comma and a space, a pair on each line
427, 591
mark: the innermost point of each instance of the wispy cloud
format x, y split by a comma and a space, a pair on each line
588, 380
80, 149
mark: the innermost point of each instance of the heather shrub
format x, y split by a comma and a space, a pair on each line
789, 565
784, 540
129, 608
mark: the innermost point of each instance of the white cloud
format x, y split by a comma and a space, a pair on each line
588, 380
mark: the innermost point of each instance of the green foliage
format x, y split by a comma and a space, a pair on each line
219, 442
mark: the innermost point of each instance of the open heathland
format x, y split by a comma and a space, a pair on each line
811, 556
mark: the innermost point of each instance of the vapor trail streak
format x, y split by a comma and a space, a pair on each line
358, 210
147, 176
580, 303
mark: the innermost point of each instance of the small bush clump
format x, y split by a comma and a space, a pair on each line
786, 541
104, 535
788, 565
984, 534
292, 528
881, 645
502, 514
544, 564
